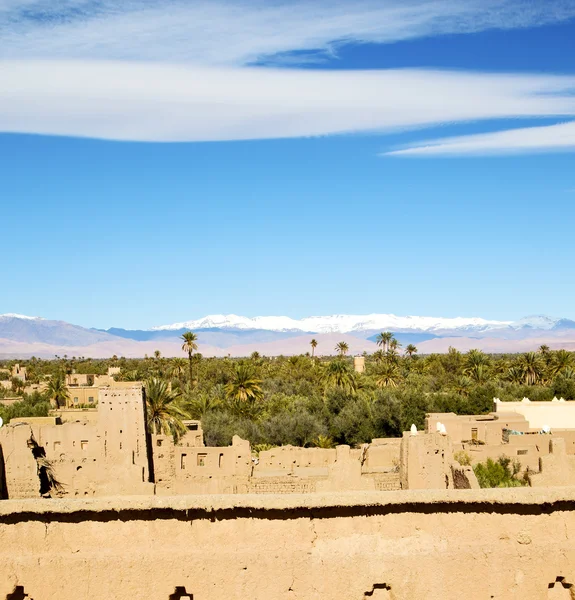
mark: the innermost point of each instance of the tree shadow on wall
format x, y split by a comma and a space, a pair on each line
18, 594
3, 484
181, 594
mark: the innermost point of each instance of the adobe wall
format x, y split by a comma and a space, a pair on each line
103, 458
448, 545
190, 468
555, 414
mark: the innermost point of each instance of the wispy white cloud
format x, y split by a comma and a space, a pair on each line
158, 102
551, 138
236, 32
176, 70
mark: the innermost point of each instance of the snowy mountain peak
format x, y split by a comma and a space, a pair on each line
339, 323
16, 316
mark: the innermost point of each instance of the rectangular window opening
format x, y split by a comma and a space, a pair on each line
202, 458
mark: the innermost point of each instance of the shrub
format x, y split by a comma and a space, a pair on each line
462, 458
501, 473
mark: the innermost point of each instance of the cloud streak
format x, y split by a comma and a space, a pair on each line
239, 32
551, 138
167, 103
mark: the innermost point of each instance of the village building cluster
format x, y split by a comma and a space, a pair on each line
107, 450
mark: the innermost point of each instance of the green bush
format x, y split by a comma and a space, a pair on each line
499, 474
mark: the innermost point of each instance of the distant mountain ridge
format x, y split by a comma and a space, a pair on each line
220, 335
336, 323
367, 323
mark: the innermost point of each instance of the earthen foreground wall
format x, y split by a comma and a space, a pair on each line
442, 545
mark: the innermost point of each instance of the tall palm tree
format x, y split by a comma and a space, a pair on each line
544, 349
338, 373
165, 415
388, 375
244, 385
313, 345
157, 354
383, 340
342, 348
410, 350
57, 391
562, 359
473, 359
532, 368
190, 344
394, 344
392, 355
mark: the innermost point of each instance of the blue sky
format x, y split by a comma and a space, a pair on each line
164, 161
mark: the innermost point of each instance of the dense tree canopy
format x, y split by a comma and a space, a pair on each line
302, 400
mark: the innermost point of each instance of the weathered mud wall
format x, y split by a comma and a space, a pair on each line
443, 545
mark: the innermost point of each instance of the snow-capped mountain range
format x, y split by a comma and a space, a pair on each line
351, 323
223, 335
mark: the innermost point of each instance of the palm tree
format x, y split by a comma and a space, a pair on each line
394, 344
479, 373
197, 405
323, 441
383, 340
410, 350
532, 368
342, 348
544, 349
515, 374
473, 359
462, 385
57, 391
313, 345
255, 355
562, 359
157, 354
388, 375
338, 373
244, 386
165, 415
178, 366
189, 338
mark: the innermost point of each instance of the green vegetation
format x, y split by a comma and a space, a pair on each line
164, 412
317, 401
501, 473
34, 405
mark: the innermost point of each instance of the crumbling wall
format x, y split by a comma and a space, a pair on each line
444, 545
104, 458
555, 469
185, 469
463, 477
425, 461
